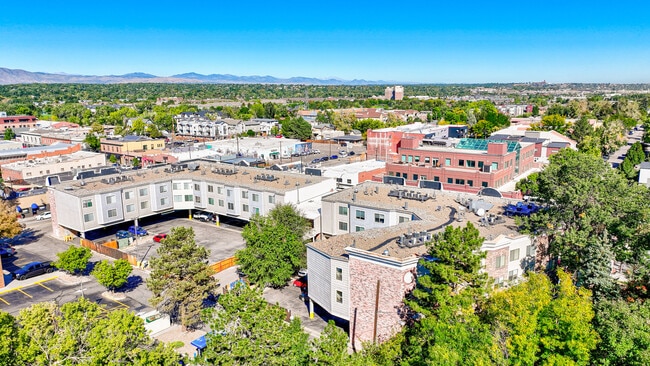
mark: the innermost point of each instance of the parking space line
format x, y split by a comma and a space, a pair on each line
24, 293
26, 286
3, 300
42, 285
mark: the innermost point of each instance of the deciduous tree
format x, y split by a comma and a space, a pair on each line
73, 260
112, 275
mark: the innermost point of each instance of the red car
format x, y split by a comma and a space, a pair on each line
301, 282
159, 237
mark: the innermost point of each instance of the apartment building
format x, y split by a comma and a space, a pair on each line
377, 238
240, 192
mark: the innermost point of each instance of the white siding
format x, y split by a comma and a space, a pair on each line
342, 310
320, 280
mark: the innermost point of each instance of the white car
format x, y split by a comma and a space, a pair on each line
44, 216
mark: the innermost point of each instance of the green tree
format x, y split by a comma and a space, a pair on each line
624, 331
552, 122
274, 247
581, 129
528, 186
249, 331
153, 131
636, 153
73, 260
93, 142
9, 225
112, 159
112, 276
8, 339
290, 216
97, 129
181, 278
296, 128
331, 348
138, 126
10, 134
136, 162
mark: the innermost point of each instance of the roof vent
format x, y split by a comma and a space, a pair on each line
385, 252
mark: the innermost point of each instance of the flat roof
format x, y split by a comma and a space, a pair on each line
75, 156
351, 168
207, 171
36, 149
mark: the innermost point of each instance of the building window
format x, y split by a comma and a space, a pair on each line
484, 184
176, 186
460, 181
163, 189
461, 162
144, 205
231, 206
343, 226
244, 194
339, 297
256, 210
436, 178
189, 198
112, 213
271, 199
197, 199
514, 255
470, 183
349, 181
500, 261
186, 185
197, 187
220, 203
403, 158
339, 274
343, 210
130, 207
480, 165
244, 208
219, 190
256, 197
495, 166
211, 201
450, 180
470, 164
89, 217
530, 250
417, 159
359, 228
144, 192
404, 219
379, 218
398, 174
163, 201
210, 188
513, 274
447, 162
427, 160
178, 198
87, 203
361, 215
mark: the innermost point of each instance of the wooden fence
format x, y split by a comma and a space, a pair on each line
223, 264
110, 250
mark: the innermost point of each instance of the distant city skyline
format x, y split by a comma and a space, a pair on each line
412, 42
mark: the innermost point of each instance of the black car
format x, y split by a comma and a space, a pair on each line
325, 158
33, 269
351, 153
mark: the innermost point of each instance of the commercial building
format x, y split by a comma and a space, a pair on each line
124, 147
383, 143
17, 123
19, 154
349, 175
35, 169
85, 205
362, 273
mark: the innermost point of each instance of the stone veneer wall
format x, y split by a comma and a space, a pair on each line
363, 292
57, 231
491, 261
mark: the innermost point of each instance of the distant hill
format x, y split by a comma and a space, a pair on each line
15, 76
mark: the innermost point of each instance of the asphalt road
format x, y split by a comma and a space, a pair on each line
617, 157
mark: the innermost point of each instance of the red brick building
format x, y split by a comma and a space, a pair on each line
16, 122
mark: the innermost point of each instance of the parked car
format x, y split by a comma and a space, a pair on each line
315, 151
301, 282
7, 252
325, 158
351, 153
123, 234
158, 237
334, 157
315, 161
33, 269
203, 216
343, 153
137, 230
44, 216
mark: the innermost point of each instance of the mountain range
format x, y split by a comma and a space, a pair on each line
16, 76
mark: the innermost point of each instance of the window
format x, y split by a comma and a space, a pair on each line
231, 206
379, 218
163, 201
434, 162
398, 174
339, 297
530, 250
112, 212
436, 178
178, 198
404, 219
484, 184
410, 158
244, 208
210, 188
427, 159
110, 199
460, 181
513, 274
211, 201
461, 162
229, 192
197, 199
470, 164
500, 261
256, 210
219, 190
343, 210
144, 192
403, 158
197, 187
450, 180
470, 183
256, 197
176, 186
130, 207
359, 228
343, 226
89, 217
144, 205
339, 274
349, 181
360, 215
220, 203
415, 177
189, 198
163, 189
244, 194
480, 165
87, 203
514, 255
417, 159
495, 166
186, 185
447, 162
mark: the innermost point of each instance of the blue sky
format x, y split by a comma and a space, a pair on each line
405, 41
